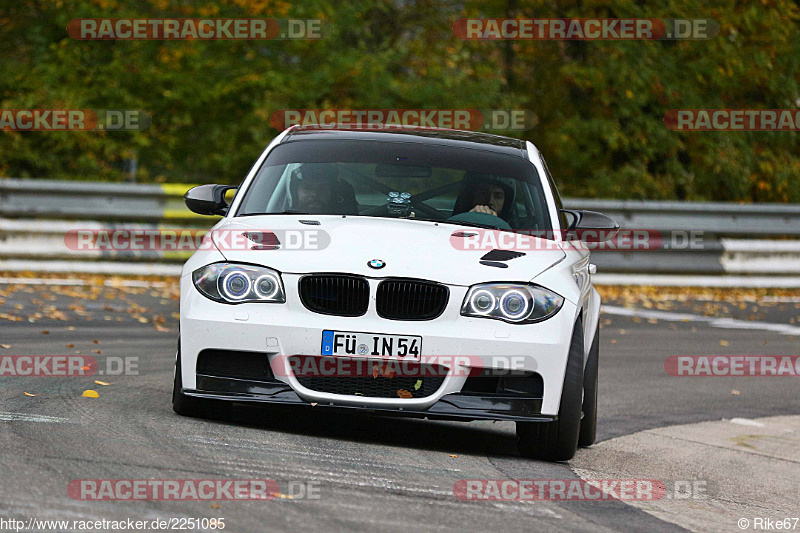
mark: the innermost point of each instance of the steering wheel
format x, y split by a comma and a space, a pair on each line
483, 219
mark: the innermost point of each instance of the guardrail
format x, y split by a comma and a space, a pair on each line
86, 200
35, 215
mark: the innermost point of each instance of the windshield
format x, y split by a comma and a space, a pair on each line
399, 180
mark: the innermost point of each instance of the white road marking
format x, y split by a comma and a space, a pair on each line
780, 299
80, 282
24, 417
725, 323
746, 422
90, 267
678, 280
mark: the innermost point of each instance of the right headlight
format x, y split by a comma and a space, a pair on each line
232, 283
511, 302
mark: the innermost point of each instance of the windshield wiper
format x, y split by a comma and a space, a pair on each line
462, 223
287, 212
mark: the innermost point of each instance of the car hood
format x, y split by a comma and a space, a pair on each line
408, 248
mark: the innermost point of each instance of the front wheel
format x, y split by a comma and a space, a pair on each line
558, 440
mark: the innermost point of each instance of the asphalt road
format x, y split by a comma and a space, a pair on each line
371, 473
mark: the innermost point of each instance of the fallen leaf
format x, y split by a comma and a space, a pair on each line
284, 496
215, 506
28, 394
85, 367
723, 343
70, 345
90, 394
96, 341
451, 455
313, 404
735, 392
97, 351
402, 393
5, 346
613, 341
418, 384
45, 332
101, 382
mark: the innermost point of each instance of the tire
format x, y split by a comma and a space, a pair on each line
181, 403
558, 440
588, 431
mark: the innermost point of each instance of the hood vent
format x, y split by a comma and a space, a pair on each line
495, 264
501, 255
264, 240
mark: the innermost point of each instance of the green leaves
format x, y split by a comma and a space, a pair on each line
600, 104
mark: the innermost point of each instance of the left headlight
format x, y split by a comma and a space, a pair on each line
233, 284
514, 303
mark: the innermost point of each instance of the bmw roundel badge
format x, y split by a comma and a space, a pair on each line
376, 263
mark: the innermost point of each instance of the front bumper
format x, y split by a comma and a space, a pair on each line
276, 330
450, 407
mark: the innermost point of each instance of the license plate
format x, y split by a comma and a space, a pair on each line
360, 344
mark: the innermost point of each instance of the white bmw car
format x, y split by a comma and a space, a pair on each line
418, 272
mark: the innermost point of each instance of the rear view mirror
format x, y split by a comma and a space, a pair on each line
590, 226
208, 199
401, 171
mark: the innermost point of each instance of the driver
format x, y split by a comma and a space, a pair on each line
314, 189
489, 198
319, 190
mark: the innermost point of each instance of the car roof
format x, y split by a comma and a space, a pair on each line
421, 135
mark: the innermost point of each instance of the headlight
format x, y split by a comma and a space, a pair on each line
233, 284
511, 302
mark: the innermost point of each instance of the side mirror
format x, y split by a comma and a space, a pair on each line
208, 199
590, 226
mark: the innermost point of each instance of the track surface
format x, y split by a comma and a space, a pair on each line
372, 473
